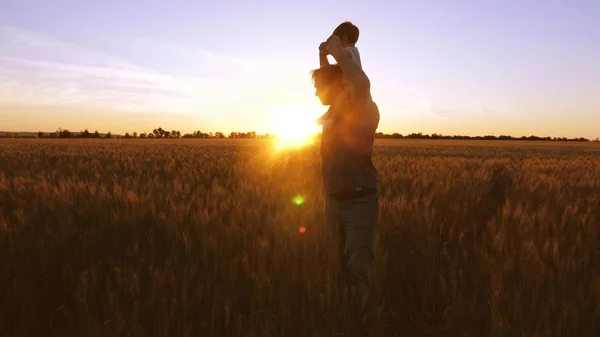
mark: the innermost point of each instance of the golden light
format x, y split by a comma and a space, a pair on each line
294, 126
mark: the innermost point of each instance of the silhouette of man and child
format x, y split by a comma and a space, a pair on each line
350, 180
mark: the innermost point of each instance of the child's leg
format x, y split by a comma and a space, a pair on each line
326, 118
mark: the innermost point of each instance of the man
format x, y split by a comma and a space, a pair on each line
350, 180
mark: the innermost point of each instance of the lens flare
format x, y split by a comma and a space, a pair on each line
298, 200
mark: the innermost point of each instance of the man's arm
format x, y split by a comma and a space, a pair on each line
323, 61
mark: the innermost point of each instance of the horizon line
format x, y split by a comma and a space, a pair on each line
211, 134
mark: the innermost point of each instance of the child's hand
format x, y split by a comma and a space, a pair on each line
334, 45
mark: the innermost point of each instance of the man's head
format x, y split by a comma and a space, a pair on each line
347, 32
328, 83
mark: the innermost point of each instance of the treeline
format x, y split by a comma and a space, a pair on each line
488, 137
174, 134
156, 133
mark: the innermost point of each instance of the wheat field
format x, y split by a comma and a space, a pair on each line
201, 238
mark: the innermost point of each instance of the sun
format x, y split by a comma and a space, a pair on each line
294, 126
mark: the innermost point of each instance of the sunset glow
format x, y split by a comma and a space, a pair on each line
294, 126
453, 68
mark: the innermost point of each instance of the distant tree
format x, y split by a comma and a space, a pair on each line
159, 133
41, 134
135, 135
108, 135
85, 134
143, 135
64, 133
127, 135
199, 134
96, 134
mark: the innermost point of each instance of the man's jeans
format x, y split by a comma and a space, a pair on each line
354, 222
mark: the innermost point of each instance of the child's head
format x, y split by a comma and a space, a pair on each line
347, 32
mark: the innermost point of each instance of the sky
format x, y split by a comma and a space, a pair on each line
440, 66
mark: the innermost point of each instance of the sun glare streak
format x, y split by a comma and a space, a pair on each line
294, 126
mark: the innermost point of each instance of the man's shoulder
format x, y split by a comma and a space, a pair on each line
373, 110
366, 102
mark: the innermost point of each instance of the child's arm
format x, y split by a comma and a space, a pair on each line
352, 71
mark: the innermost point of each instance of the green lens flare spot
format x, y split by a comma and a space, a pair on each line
298, 200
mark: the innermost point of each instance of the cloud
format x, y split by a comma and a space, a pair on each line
406, 101
402, 102
45, 70
149, 75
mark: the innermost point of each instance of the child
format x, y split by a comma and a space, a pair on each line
348, 34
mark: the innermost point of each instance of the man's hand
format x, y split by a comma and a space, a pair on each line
323, 48
323, 61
